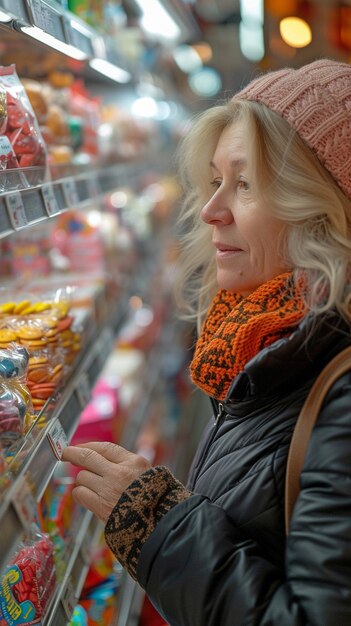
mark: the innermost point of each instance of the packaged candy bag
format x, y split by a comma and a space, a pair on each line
28, 582
15, 401
12, 416
21, 141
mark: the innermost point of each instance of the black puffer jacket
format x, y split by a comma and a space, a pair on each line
220, 557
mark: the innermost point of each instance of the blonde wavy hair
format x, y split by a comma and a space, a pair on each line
291, 183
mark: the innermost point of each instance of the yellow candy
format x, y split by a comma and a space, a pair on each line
29, 333
27, 310
61, 308
20, 306
39, 307
7, 335
8, 307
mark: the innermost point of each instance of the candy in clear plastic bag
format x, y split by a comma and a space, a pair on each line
21, 142
28, 582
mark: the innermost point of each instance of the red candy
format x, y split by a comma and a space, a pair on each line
28, 583
18, 124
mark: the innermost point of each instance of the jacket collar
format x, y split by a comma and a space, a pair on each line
293, 360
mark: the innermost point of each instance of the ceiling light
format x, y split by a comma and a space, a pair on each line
252, 11
111, 71
251, 42
163, 110
295, 32
157, 21
145, 107
50, 40
204, 51
251, 29
187, 58
206, 82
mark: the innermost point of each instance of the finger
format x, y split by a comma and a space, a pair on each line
87, 458
89, 480
91, 501
110, 451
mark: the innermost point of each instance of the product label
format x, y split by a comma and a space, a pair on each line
16, 7
68, 599
5, 146
50, 201
79, 37
10, 80
24, 503
15, 209
12, 611
93, 188
70, 193
57, 439
85, 551
83, 390
46, 18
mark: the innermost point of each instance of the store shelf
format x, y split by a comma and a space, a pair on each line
131, 600
70, 587
50, 24
20, 207
36, 461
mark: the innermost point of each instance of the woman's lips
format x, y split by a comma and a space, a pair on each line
223, 250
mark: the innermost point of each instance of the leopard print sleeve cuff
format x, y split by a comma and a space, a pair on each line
138, 511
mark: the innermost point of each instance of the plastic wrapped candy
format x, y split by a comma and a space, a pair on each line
12, 417
21, 142
16, 408
28, 582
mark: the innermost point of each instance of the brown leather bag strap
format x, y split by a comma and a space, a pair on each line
304, 425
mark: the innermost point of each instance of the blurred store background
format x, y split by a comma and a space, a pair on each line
94, 98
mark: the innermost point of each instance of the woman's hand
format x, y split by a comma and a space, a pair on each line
107, 471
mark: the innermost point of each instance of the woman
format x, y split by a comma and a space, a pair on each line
269, 209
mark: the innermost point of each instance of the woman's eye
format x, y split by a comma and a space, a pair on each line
216, 183
243, 185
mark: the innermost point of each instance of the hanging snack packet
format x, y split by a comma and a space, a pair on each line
21, 141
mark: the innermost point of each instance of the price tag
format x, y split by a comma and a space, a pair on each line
24, 503
93, 187
80, 40
83, 390
15, 209
50, 201
70, 192
57, 439
46, 18
85, 551
68, 599
16, 7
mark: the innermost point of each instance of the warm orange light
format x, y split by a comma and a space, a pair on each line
345, 28
278, 8
295, 32
204, 51
280, 48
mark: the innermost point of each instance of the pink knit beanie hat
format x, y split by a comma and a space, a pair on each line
316, 101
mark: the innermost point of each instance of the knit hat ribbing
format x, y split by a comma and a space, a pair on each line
316, 101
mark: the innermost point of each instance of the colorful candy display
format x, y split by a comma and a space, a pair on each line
45, 329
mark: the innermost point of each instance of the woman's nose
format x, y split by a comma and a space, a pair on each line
216, 211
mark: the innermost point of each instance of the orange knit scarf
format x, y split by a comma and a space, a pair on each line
237, 328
